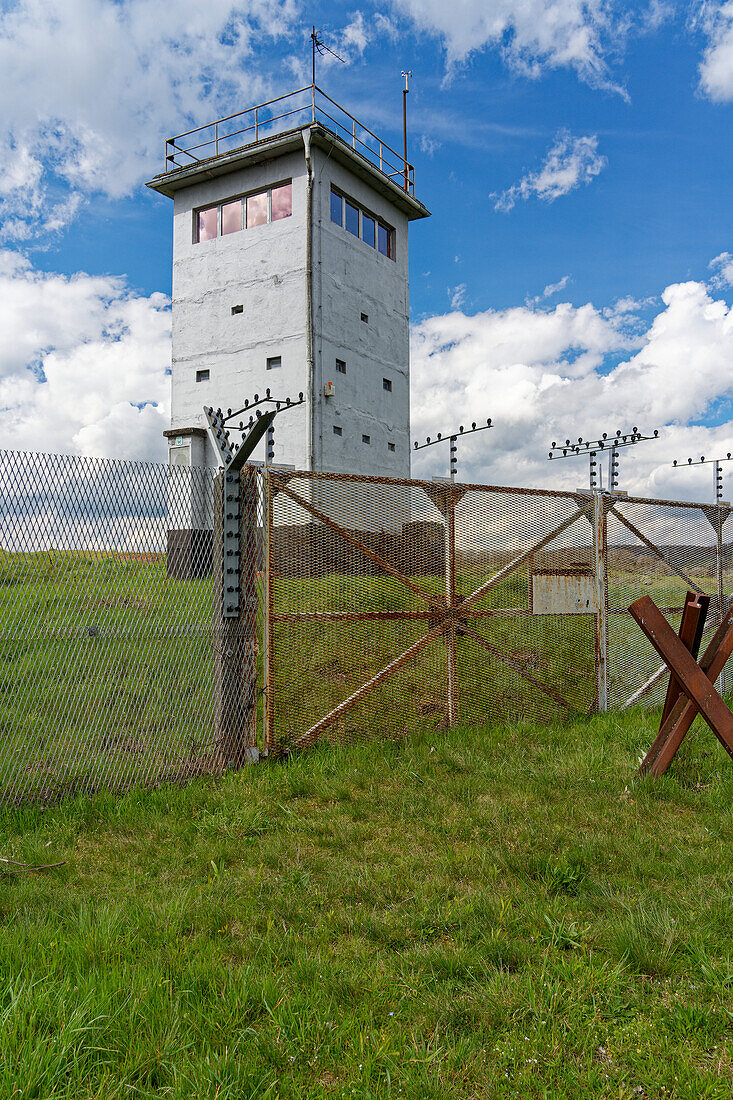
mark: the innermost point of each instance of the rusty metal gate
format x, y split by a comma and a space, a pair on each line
392, 601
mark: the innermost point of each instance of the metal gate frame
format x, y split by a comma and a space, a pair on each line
452, 610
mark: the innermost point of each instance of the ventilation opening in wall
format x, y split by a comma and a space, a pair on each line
366, 439
390, 446
274, 362
337, 429
341, 366
365, 318
387, 385
237, 309
202, 376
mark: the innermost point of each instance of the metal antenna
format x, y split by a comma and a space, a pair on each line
405, 91
717, 472
452, 439
320, 47
613, 444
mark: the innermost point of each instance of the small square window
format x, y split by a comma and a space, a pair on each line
202, 376
365, 318
274, 362
237, 309
390, 446
231, 217
257, 209
367, 229
337, 429
206, 223
366, 439
341, 366
352, 218
337, 208
387, 384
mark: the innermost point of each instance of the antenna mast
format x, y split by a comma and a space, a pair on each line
405, 91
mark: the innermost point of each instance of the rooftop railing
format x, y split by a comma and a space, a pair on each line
287, 112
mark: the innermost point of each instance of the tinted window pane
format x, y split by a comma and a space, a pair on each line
385, 240
367, 229
282, 201
352, 219
336, 205
231, 217
207, 224
257, 209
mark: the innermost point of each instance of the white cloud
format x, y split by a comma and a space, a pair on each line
549, 292
716, 66
544, 374
722, 266
91, 87
533, 34
83, 364
457, 295
569, 164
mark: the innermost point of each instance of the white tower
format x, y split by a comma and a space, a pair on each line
290, 272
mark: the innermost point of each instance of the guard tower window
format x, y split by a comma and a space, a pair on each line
274, 362
202, 376
231, 217
206, 223
352, 218
367, 229
387, 384
337, 429
258, 209
366, 439
390, 446
282, 202
341, 366
385, 240
337, 204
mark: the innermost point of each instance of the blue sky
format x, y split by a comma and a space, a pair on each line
576, 157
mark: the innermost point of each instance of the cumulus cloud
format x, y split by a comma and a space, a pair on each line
103, 81
716, 65
544, 374
570, 163
83, 364
533, 34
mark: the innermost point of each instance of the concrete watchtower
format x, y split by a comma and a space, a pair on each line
290, 272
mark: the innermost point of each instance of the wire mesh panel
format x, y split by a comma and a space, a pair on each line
106, 614
660, 549
391, 602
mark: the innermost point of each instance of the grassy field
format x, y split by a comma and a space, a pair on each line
490, 912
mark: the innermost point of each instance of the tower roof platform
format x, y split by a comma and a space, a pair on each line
271, 129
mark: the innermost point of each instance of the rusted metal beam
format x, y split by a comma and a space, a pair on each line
513, 565
306, 739
386, 616
432, 598
691, 677
655, 550
683, 714
691, 629
516, 666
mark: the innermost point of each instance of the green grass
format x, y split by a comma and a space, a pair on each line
485, 912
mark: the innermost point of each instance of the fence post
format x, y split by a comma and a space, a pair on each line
600, 572
269, 639
235, 633
450, 599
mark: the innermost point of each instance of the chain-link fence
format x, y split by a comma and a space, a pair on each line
106, 603
158, 622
